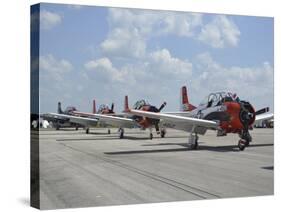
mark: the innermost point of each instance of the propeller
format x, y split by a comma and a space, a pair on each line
261, 111
157, 122
112, 108
162, 106
247, 115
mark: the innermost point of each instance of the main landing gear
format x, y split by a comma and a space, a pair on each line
108, 131
121, 133
150, 134
87, 130
192, 141
162, 133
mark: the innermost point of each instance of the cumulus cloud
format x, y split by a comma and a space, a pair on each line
54, 68
102, 69
162, 62
124, 42
49, 19
249, 82
158, 63
220, 33
130, 29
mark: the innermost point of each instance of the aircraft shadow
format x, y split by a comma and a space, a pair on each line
268, 167
88, 139
101, 138
230, 148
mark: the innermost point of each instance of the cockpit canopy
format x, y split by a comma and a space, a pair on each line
216, 99
70, 109
103, 107
139, 104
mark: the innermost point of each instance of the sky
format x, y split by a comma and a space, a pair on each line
103, 53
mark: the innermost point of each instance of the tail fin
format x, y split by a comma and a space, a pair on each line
185, 105
94, 107
126, 104
59, 108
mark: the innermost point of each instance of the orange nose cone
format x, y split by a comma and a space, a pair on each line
234, 124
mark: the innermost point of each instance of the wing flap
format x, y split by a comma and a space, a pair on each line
112, 120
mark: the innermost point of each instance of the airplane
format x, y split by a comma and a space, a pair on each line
221, 111
59, 122
70, 119
124, 121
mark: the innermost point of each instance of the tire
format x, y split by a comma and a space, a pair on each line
241, 145
151, 136
195, 145
108, 131
121, 135
162, 133
87, 131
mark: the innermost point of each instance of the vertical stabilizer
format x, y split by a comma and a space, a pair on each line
59, 108
94, 107
126, 104
185, 105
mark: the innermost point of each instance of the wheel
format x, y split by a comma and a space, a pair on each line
87, 131
57, 127
242, 144
76, 128
151, 136
108, 131
193, 146
193, 142
121, 133
163, 133
196, 144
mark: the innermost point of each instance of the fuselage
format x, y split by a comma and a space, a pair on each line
232, 114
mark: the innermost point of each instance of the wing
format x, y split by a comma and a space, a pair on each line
74, 119
179, 113
263, 117
188, 124
115, 121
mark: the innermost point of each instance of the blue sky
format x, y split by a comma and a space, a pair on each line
107, 53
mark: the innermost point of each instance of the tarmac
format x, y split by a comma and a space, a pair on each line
99, 169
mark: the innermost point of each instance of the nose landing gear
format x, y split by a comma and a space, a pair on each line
163, 133
245, 140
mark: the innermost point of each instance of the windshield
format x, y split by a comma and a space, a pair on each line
139, 104
70, 109
102, 108
215, 99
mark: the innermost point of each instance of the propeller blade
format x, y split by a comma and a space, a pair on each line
261, 111
112, 107
162, 106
